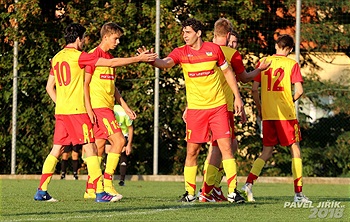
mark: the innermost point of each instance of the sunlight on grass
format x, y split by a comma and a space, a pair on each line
157, 201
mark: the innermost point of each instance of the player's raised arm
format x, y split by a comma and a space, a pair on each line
142, 57
245, 77
159, 63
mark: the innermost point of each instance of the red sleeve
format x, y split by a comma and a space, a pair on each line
296, 74
51, 72
90, 69
237, 63
175, 55
86, 59
258, 78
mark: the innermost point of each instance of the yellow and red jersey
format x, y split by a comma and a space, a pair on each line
235, 61
276, 88
68, 68
102, 86
201, 69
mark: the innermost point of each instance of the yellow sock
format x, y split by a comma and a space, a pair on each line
94, 172
205, 167
47, 172
111, 165
190, 174
219, 175
89, 186
209, 179
255, 171
231, 173
257, 166
297, 171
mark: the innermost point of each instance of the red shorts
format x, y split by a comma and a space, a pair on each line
283, 132
106, 123
200, 122
232, 128
73, 129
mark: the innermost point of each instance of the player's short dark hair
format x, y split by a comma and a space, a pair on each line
194, 23
73, 31
235, 34
284, 41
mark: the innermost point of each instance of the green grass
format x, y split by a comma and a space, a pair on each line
157, 201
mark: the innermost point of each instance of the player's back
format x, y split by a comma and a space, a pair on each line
276, 88
69, 77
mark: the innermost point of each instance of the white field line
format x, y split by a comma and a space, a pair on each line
97, 216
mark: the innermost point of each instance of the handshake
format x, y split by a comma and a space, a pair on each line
146, 55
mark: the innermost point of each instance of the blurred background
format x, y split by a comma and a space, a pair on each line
32, 33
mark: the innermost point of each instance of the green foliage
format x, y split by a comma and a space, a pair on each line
325, 25
326, 149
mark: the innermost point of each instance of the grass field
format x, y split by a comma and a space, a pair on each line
157, 201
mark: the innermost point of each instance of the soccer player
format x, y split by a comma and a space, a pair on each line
73, 126
223, 32
277, 110
233, 39
203, 65
101, 95
74, 150
125, 123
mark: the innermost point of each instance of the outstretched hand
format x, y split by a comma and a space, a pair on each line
143, 49
264, 65
145, 55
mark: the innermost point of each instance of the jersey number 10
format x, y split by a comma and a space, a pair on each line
63, 73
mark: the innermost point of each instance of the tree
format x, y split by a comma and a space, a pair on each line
40, 37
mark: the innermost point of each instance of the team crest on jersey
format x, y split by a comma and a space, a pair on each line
209, 53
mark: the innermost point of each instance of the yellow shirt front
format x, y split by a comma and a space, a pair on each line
201, 69
102, 86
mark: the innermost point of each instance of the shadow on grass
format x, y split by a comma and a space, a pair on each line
174, 205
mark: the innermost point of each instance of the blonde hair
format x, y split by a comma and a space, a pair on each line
222, 26
111, 28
